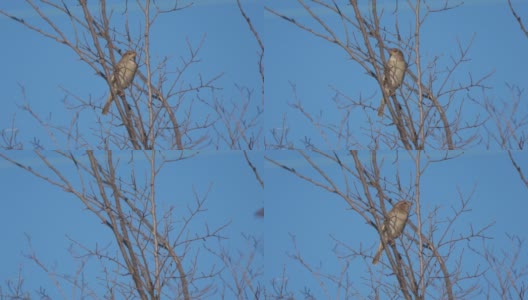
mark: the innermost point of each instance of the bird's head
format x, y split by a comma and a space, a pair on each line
395, 51
130, 53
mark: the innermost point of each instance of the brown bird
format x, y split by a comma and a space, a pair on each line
393, 225
123, 75
393, 75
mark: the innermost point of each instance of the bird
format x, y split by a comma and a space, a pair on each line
121, 78
394, 72
393, 225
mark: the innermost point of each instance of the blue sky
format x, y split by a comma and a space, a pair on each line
293, 207
316, 67
314, 216
228, 48
49, 215
43, 69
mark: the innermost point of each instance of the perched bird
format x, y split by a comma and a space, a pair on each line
123, 75
393, 75
393, 225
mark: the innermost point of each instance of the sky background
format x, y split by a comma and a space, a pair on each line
318, 68
38, 70
314, 215
49, 215
293, 207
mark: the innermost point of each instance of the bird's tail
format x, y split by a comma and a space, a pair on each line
106, 107
381, 107
376, 258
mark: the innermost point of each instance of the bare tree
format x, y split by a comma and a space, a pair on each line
156, 250
506, 276
509, 119
425, 112
509, 127
517, 18
160, 109
506, 272
424, 263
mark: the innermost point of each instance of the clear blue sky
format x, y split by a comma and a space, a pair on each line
42, 67
45, 68
317, 67
49, 215
313, 215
